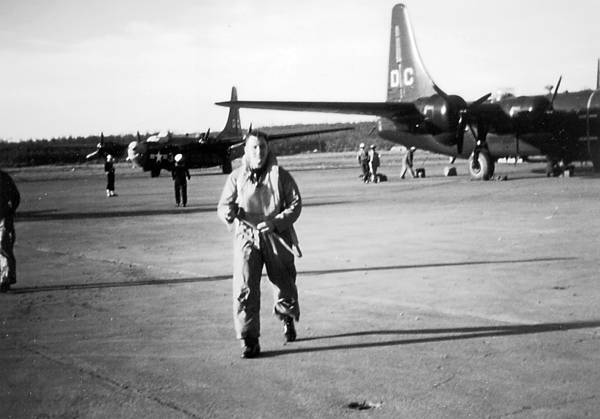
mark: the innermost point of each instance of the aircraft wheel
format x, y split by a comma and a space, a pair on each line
595, 155
483, 168
226, 166
155, 172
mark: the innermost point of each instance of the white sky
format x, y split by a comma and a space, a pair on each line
78, 67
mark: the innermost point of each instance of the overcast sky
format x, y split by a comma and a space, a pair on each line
78, 67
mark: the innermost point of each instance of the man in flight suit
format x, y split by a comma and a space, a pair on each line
263, 201
9, 201
363, 160
407, 163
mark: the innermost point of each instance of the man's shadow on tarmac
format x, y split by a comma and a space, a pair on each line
174, 281
440, 335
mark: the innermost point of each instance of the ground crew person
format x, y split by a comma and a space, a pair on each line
363, 161
374, 162
407, 163
109, 168
262, 200
9, 202
180, 175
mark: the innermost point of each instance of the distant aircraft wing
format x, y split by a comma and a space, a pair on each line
283, 135
392, 110
280, 136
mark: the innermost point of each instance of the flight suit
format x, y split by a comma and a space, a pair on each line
363, 161
374, 163
407, 164
272, 196
9, 201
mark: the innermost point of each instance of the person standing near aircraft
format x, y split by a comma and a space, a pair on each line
180, 175
263, 200
9, 202
374, 163
407, 163
363, 160
109, 169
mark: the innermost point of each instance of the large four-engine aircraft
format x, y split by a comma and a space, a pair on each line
563, 127
157, 152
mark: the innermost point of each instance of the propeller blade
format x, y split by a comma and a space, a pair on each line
480, 100
207, 135
139, 137
555, 91
89, 156
440, 91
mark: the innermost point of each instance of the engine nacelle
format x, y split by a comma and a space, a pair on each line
526, 113
440, 115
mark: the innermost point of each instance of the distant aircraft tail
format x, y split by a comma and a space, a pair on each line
408, 79
233, 127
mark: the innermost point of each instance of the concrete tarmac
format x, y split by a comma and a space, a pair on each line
421, 298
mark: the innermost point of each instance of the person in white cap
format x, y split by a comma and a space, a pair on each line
180, 175
263, 201
109, 169
407, 163
363, 161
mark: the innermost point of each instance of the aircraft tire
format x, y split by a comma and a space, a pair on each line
155, 172
226, 166
484, 170
595, 156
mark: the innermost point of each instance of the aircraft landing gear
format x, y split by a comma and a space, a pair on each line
558, 168
553, 167
481, 166
226, 166
594, 149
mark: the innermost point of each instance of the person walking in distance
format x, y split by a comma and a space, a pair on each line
407, 163
109, 169
374, 163
180, 175
363, 160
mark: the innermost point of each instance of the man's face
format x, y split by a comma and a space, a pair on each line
256, 150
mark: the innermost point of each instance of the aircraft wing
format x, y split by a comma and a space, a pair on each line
283, 135
280, 136
392, 110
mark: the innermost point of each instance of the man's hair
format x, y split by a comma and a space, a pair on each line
257, 134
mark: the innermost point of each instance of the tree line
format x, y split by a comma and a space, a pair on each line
72, 150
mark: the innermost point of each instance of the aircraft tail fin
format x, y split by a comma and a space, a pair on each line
233, 127
598, 75
408, 79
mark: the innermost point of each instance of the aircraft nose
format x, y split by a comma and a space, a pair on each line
133, 154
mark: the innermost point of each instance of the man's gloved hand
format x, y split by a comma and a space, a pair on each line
230, 216
266, 226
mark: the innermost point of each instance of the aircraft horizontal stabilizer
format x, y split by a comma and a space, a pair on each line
397, 110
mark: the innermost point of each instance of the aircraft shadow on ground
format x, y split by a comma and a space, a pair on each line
174, 281
440, 335
435, 265
100, 285
587, 172
56, 215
